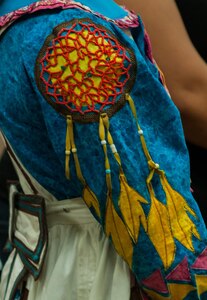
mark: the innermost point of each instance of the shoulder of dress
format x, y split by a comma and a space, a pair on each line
129, 21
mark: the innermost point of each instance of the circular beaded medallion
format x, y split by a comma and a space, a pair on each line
83, 70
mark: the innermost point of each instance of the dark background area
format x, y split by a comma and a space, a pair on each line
194, 14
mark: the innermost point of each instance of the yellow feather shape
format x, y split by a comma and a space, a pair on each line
119, 234
182, 226
160, 233
91, 200
201, 284
155, 296
180, 291
131, 209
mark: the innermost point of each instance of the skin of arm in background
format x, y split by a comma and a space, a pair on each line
184, 69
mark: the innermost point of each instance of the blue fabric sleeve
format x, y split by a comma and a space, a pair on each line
108, 8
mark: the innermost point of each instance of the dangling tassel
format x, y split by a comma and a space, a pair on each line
67, 149
129, 199
140, 131
88, 196
182, 226
114, 225
107, 164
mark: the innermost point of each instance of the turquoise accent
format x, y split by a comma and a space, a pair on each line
30, 208
35, 257
22, 203
31, 255
29, 266
18, 295
108, 171
108, 8
9, 247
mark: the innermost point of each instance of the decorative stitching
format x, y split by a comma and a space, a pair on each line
131, 20
83, 70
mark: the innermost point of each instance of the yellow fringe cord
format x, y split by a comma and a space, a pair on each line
102, 136
67, 150
88, 196
129, 199
74, 151
114, 227
134, 112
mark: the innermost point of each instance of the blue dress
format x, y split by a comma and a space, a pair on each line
87, 114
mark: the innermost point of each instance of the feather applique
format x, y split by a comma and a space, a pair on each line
118, 232
201, 282
160, 232
180, 291
91, 200
131, 209
182, 226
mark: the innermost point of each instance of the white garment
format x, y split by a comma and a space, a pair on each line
80, 264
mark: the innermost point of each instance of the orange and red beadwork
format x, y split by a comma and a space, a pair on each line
83, 70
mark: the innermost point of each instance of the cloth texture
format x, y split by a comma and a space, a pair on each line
7, 173
111, 9
169, 229
81, 256
81, 263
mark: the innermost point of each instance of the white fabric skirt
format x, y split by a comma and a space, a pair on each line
81, 263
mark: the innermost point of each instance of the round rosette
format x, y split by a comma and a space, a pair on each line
84, 70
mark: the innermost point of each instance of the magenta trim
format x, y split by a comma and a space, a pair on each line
5, 21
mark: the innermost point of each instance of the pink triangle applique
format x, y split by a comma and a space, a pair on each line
201, 261
156, 282
180, 272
